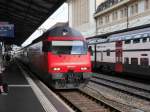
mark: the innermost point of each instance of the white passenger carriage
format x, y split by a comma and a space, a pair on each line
123, 52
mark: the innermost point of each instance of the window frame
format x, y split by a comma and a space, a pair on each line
134, 8
107, 18
144, 40
108, 52
134, 61
135, 42
142, 62
126, 61
147, 4
115, 15
127, 42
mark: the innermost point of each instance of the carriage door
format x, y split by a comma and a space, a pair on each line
118, 65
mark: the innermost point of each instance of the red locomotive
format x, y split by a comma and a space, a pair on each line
60, 57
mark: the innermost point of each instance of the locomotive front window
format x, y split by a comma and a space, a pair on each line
69, 47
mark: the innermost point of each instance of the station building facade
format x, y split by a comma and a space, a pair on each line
81, 15
114, 15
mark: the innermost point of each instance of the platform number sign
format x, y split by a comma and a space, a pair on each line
6, 30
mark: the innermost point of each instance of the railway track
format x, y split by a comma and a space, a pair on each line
82, 102
129, 87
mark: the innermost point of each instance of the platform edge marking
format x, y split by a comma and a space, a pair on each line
57, 97
48, 107
13, 85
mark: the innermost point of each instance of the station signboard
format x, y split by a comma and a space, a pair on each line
7, 30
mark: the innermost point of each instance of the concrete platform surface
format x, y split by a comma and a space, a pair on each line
21, 97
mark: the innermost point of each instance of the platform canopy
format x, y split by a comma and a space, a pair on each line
26, 15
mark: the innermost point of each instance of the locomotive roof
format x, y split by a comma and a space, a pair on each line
59, 31
62, 31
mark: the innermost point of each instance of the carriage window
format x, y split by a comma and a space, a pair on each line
136, 40
144, 39
134, 61
108, 52
126, 60
127, 41
144, 61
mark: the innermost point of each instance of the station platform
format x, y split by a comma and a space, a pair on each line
20, 98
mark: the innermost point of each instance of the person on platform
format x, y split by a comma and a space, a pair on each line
3, 86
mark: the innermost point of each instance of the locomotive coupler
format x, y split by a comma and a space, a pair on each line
73, 78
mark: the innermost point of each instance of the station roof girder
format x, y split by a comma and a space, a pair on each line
26, 15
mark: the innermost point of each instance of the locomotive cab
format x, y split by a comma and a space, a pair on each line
68, 57
60, 57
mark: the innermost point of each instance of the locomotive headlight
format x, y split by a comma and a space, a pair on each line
56, 69
84, 68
